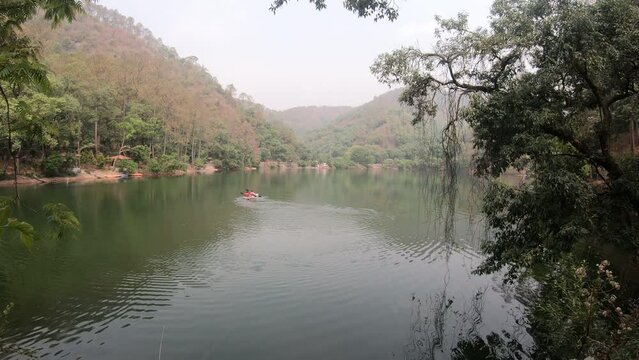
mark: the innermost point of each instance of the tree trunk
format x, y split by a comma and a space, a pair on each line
164, 144
96, 137
10, 145
633, 132
193, 145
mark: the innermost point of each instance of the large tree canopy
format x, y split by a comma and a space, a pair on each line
550, 86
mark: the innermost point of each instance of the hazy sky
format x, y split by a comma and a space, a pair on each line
298, 56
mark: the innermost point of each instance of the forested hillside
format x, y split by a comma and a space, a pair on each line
379, 131
116, 89
305, 118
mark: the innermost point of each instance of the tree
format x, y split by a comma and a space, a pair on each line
19, 63
546, 89
361, 155
547, 84
378, 9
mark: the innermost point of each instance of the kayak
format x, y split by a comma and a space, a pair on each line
250, 197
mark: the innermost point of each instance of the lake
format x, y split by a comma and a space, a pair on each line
328, 265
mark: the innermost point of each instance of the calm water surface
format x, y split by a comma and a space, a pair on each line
330, 265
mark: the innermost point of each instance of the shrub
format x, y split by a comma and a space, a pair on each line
217, 163
388, 163
166, 164
171, 163
127, 166
141, 154
57, 165
101, 161
87, 158
342, 163
581, 312
155, 166
199, 163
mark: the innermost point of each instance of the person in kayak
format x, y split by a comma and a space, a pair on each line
250, 194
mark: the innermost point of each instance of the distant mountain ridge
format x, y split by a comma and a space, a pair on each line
380, 130
306, 118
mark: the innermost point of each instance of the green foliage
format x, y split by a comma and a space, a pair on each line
342, 163
101, 160
166, 164
378, 9
140, 154
559, 78
155, 166
383, 125
61, 220
580, 313
361, 155
546, 88
87, 158
199, 163
169, 105
56, 165
278, 143
217, 163
127, 166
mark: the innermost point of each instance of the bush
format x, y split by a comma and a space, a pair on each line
388, 163
154, 166
171, 163
342, 163
166, 164
87, 158
199, 163
141, 154
217, 163
57, 165
406, 164
581, 312
127, 166
101, 161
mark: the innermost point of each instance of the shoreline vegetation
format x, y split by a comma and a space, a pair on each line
93, 174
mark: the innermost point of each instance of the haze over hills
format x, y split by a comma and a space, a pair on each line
305, 118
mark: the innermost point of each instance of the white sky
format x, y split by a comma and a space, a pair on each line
298, 56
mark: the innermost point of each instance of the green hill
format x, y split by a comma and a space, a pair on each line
118, 89
379, 131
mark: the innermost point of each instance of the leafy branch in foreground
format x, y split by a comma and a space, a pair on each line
61, 222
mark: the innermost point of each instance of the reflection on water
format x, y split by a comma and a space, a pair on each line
344, 265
